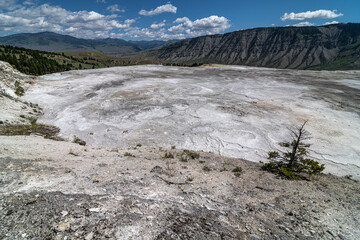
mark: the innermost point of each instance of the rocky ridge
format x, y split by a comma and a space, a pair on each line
325, 47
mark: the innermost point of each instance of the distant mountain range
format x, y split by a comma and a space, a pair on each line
53, 42
326, 47
331, 47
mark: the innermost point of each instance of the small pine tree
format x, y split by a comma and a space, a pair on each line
292, 164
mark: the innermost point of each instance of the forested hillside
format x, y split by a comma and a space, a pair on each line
34, 62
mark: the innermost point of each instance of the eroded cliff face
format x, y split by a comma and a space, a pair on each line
334, 46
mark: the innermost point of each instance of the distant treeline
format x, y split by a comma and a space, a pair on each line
183, 64
32, 62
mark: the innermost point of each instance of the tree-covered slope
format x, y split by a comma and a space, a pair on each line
34, 62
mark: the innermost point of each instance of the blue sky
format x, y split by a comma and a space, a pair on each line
157, 19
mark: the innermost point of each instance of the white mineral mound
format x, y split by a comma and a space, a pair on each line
10, 106
234, 111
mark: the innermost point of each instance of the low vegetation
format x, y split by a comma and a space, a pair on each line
71, 152
237, 171
168, 155
191, 154
127, 154
295, 163
45, 130
183, 64
79, 141
206, 169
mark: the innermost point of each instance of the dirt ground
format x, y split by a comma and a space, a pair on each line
61, 190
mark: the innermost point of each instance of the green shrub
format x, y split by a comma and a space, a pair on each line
273, 155
20, 91
79, 141
311, 167
293, 164
237, 174
168, 155
206, 169
270, 167
288, 172
192, 154
127, 154
237, 169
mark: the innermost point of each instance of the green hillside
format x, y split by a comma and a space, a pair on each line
34, 62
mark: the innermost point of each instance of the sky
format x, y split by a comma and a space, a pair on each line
164, 20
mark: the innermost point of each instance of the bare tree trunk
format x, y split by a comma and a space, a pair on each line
299, 134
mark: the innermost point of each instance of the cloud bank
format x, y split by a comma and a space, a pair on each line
327, 14
32, 17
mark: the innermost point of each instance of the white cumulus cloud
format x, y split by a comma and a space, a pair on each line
327, 14
329, 23
158, 25
46, 17
8, 4
209, 25
161, 9
114, 8
303, 24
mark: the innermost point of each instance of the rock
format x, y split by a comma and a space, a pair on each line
331, 233
62, 227
284, 144
159, 170
31, 201
255, 237
89, 236
94, 209
64, 213
9, 212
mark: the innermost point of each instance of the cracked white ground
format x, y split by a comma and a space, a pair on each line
234, 111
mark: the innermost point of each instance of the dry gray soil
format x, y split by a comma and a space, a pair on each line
60, 190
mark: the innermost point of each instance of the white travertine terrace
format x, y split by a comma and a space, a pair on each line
230, 110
